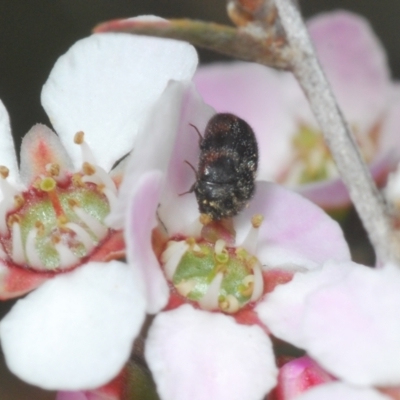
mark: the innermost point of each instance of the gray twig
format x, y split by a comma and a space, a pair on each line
363, 192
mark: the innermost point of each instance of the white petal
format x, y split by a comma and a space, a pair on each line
164, 142
199, 355
8, 157
76, 330
154, 144
104, 86
341, 391
283, 309
39, 147
360, 316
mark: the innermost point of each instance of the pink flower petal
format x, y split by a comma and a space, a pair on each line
341, 391
294, 231
359, 316
180, 177
262, 97
273, 104
355, 64
105, 84
283, 310
298, 376
76, 330
146, 183
141, 220
200, 355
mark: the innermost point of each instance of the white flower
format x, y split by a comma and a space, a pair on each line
76, 330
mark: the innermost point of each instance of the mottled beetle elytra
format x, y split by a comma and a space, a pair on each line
227, 166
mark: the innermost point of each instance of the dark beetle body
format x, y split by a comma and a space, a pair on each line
227, 167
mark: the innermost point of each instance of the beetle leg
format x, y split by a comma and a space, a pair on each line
191, 190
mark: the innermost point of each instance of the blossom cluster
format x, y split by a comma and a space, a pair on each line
266, 304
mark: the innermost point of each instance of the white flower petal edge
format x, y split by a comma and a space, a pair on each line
341, 391
199, 355
82, 95
283, 310
75, 331
360, 316
7, 150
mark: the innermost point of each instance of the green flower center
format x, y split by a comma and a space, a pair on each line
312, 160
56, 223
217, 277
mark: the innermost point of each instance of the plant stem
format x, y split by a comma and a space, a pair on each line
363, 192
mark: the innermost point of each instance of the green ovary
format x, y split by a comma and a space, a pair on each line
197, 269
312, 161
41, 210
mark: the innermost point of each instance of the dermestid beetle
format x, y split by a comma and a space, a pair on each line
227, 167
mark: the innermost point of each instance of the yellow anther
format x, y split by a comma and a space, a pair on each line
62, 220
248, 286
47, 184
79, 137
205, 219
257, 220
88, 169
4, 171
223, 257
14, 218
40, 227
191, 241
101, 187
19, 201
73, 203
229, 304
77, 180
55, 238
53, 169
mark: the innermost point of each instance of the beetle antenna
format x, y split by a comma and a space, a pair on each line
193, 168
198, 132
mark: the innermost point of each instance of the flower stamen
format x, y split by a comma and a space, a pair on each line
92, 223
87, 155
66, 256
17, 254
210, 301
251, 240
172, 256
212, 274
7, 203
31, 250
82, 235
